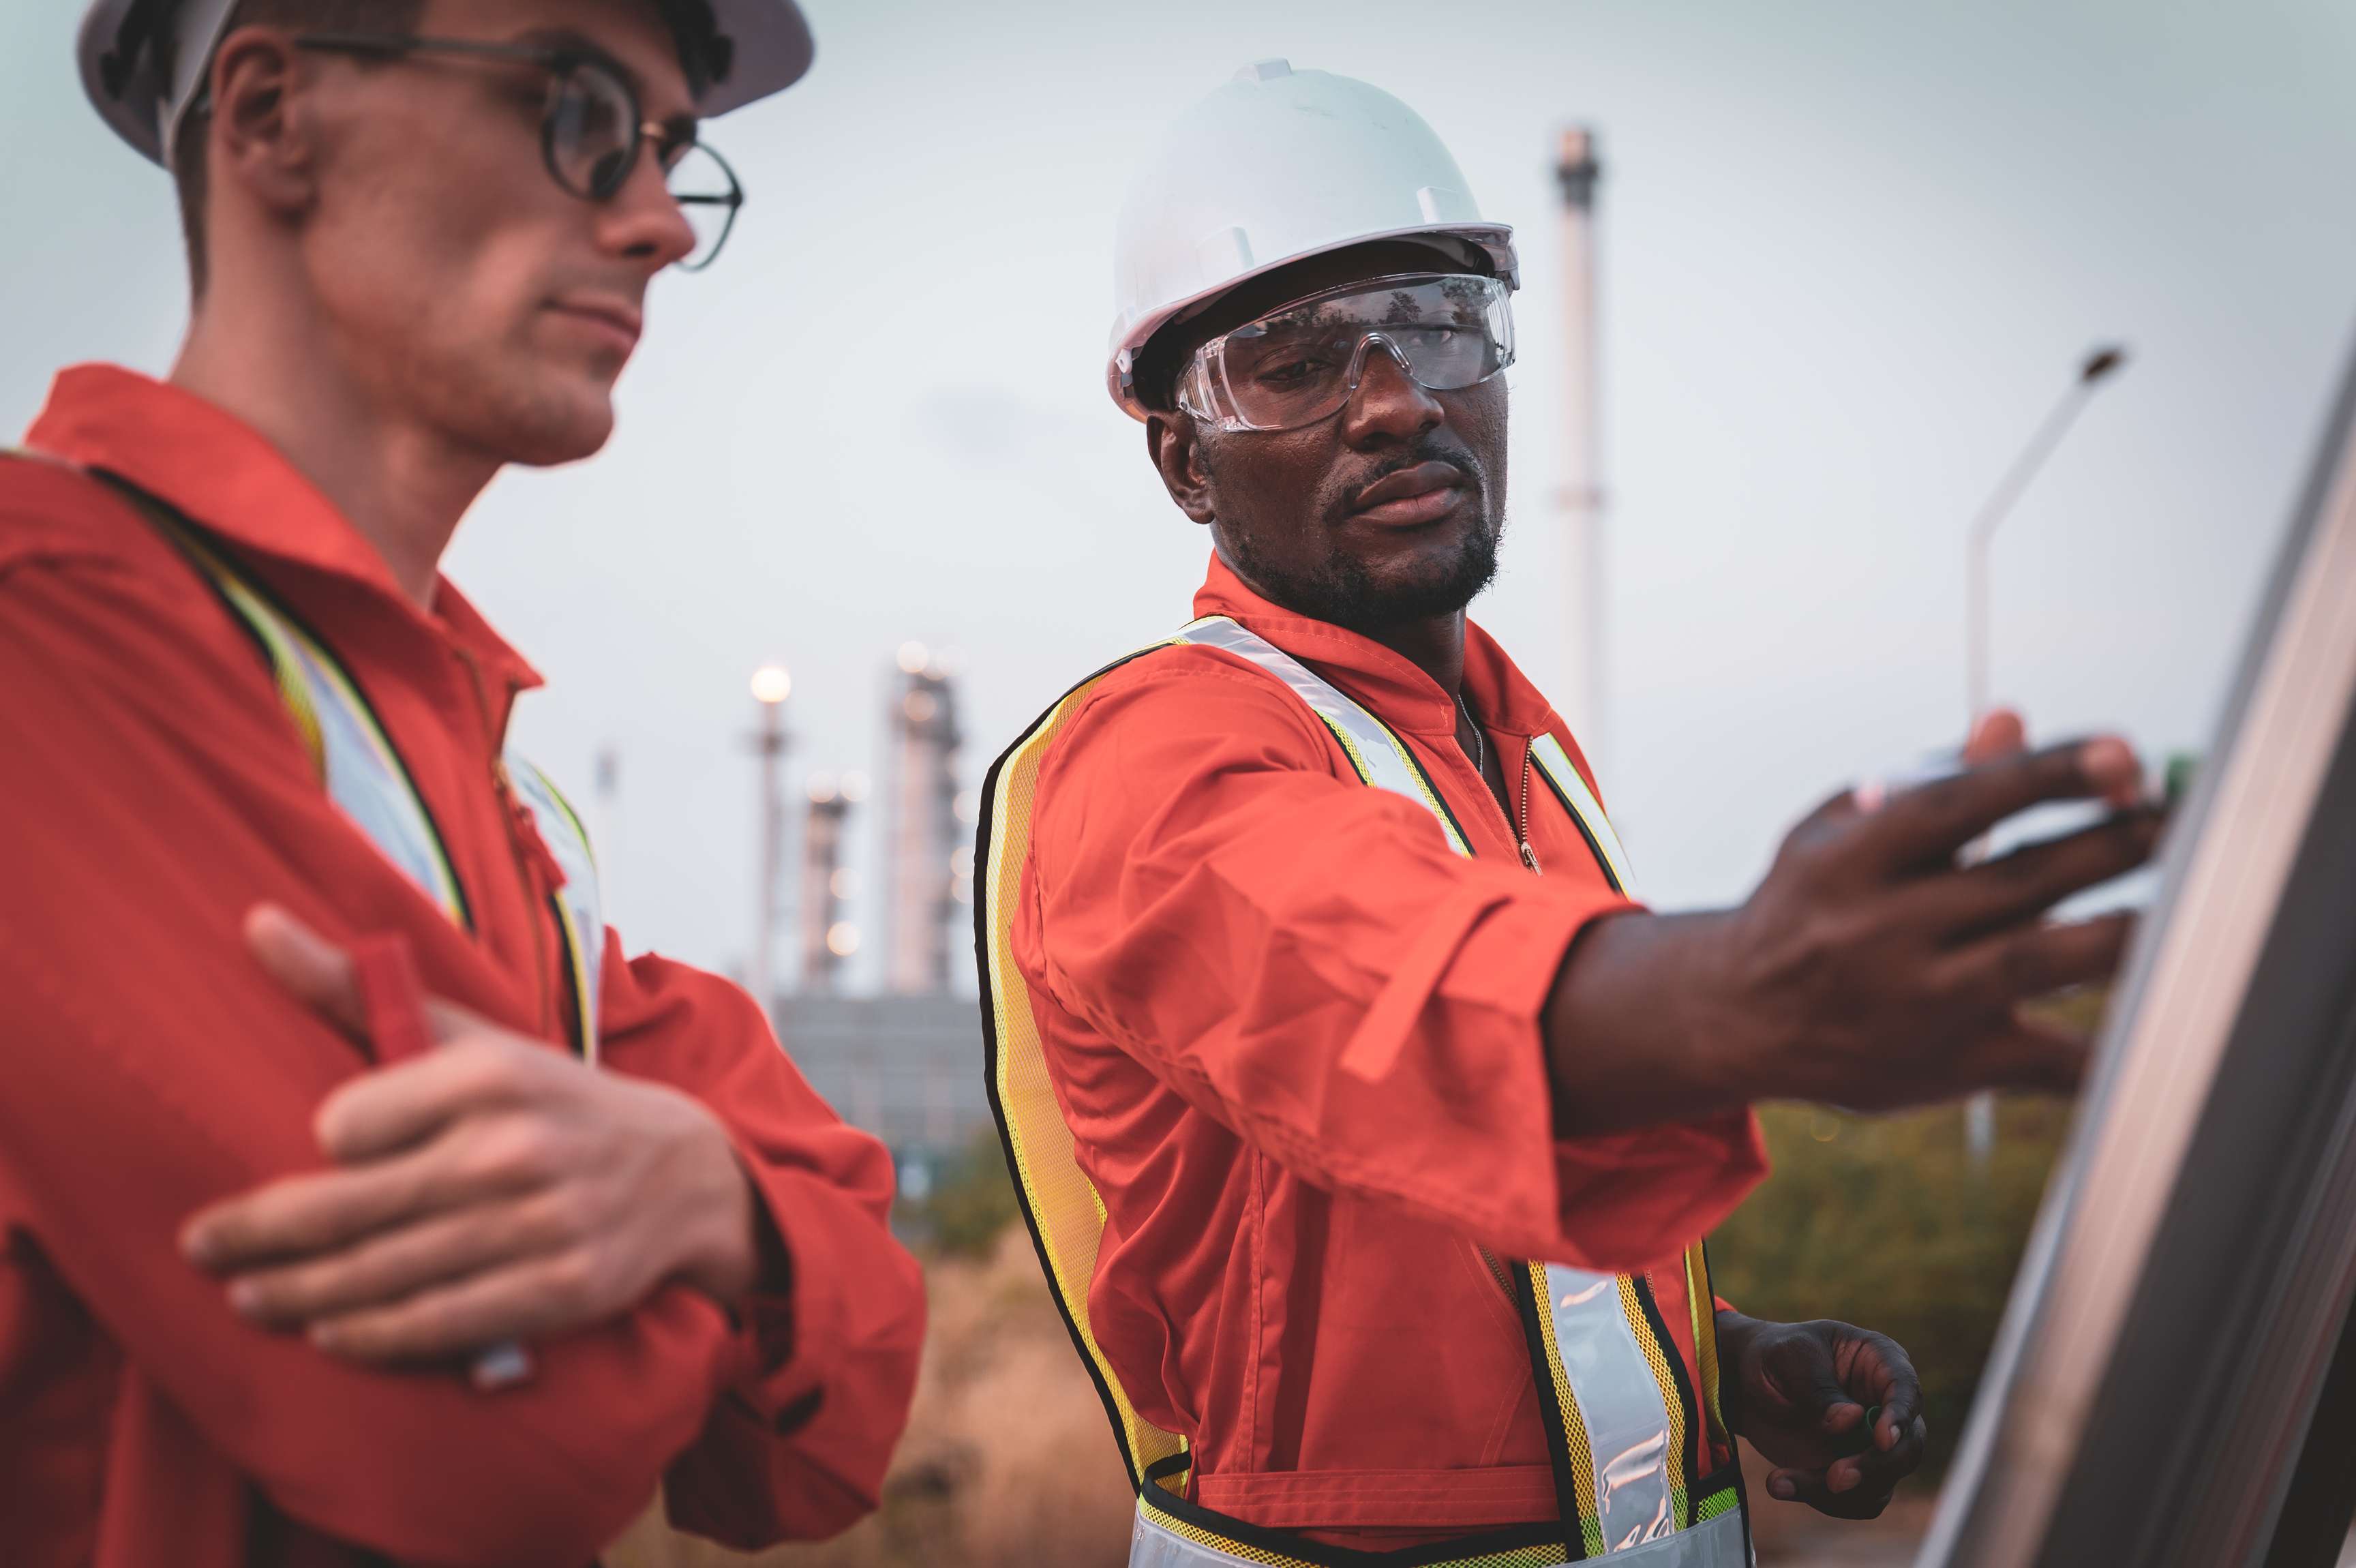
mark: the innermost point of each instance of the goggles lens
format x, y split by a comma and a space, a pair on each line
1300, 364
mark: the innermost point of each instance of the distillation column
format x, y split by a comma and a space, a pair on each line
920, 896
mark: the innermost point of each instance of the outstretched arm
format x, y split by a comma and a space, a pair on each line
1870, 969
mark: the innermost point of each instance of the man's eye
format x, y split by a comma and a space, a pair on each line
1288, 373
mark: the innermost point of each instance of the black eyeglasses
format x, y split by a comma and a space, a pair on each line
591, 129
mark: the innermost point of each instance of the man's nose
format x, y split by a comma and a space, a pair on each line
644, 221
1388, 404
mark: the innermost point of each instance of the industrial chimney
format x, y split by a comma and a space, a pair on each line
827, 938
771, 686
1581, 497
920, 899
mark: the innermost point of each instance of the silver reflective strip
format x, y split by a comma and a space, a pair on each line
364, 784
1153, 1544
1620, 1405
1380, 758
1548, 754
368, 787
1713, 1544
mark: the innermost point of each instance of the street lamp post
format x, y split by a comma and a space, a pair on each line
1577, 170
1979, 1112
771, 685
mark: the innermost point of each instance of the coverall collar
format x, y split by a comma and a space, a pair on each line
1393, 685
227, 477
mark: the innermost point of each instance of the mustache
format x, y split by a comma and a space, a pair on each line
1342, 491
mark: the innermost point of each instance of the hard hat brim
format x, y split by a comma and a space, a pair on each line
772, 50
1497, 239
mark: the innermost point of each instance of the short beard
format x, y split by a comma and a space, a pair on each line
1341, 592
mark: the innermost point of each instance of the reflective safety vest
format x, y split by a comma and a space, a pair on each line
1619, 1409
363, 773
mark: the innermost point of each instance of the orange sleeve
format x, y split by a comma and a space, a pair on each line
1304, 958
797, 1447
148, 1068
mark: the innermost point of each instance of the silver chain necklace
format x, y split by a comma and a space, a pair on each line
1480, 741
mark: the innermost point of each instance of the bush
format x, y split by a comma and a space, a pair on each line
972, 1201
1882, 1223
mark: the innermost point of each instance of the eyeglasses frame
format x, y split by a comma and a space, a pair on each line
561, 60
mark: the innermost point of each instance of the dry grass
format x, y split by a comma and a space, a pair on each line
1008, 1462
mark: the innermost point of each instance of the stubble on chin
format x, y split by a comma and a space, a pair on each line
1341, 590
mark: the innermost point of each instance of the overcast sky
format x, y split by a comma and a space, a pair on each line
1851, 251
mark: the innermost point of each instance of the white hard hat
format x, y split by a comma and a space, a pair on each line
752, 47
1277, 165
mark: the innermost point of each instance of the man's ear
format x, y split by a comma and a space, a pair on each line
262, 137
1172, 441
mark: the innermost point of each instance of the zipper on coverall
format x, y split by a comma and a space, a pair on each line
1521, 832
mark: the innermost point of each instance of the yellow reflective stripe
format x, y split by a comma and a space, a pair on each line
1556, 763
584, 978
285, 666
1430, 801
444, 890
1574, 1429
1365, 771
1704, 1301
1066, 1215
294, 659
1656, 1356
583, 948
565, 809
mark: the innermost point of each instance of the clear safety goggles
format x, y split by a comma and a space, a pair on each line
1298, 365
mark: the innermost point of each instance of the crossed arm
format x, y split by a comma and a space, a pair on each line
152, 1069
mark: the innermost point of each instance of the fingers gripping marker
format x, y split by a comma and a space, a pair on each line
1858, 1439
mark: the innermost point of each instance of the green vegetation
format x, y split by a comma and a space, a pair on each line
1881, 1222
970, 1203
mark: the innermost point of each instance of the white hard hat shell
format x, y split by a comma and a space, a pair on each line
768, 49
1275, 165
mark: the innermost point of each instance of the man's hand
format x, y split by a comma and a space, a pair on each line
1877, 971
1871, 968
1798, 1393
490, 1190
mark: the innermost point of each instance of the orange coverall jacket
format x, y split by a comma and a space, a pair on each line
154, 788
1214, 908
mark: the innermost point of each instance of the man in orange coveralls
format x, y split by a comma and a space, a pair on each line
1366, 1125
265, 848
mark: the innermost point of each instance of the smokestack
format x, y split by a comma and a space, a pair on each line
771, 685
827, 938
1579, 697
920, 898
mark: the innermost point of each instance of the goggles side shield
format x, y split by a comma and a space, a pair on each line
1300, 364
